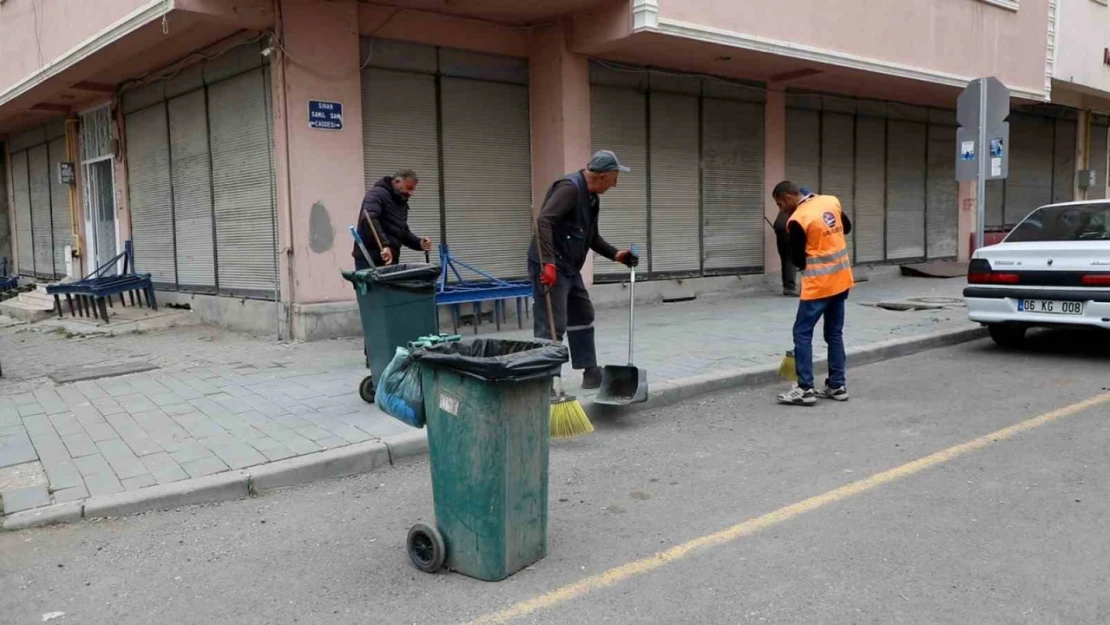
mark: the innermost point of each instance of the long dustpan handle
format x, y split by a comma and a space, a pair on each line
631, 308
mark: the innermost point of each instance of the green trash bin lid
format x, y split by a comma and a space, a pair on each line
496, 360
406, 276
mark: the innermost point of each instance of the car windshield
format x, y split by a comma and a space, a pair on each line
1078, 222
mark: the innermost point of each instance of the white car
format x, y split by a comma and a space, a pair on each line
1052, 270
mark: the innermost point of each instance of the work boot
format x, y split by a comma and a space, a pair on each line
591, 378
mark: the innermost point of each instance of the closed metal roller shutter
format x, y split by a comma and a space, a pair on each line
192, 192
618, 123
905, 190
1029, 185
803, 145
41, 217
242, 187
996, 199
487, 174
732, 184
869, 217
399, 130
24, 232
838, 162
148, 179
1098, 162
1063, 161
942, 207
59, 203
674, 184
5, 220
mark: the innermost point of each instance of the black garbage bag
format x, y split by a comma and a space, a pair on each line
416, 277
496, 360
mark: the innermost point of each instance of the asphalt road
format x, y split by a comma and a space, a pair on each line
1010, 528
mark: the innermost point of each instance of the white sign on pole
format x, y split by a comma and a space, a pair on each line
981, 111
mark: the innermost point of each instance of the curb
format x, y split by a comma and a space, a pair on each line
365, 457
675, 391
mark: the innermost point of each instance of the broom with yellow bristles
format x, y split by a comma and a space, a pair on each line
568, 418
788, 369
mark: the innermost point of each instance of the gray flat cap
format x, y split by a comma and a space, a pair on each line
603, 161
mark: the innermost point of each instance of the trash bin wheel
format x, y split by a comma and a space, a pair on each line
366, 389
426, 548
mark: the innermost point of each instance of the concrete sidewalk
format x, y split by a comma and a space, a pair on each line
213, 412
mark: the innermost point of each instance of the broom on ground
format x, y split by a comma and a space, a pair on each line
568, 418
787, 369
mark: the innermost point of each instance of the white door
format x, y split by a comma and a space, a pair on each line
102, 231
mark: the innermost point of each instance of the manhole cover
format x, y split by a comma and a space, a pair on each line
908, 306
944, 301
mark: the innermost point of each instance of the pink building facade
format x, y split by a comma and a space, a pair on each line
189, 123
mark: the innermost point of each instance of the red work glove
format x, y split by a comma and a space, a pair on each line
549, 275
628, 258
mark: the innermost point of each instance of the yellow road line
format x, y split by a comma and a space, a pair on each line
648, 564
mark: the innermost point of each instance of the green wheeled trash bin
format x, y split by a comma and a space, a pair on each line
397, 304
488, 409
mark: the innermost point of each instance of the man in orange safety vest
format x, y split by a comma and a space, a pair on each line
817, 229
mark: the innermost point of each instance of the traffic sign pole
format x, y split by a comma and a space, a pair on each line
983, 137
981, 158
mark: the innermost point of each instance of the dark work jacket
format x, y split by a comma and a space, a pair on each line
390, 212
782, 236
573, 233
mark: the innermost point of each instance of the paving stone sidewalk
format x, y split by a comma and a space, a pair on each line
220, 401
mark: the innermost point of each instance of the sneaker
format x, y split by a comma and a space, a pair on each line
835, 394
591, 378
798, 396
790, 293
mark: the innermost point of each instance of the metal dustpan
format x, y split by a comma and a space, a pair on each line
627, 384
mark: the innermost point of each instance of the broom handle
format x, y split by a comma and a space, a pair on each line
546, 291
550, 315
558, 381
373, 231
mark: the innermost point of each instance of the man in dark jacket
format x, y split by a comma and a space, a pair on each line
387, 205
782, 241
567, 232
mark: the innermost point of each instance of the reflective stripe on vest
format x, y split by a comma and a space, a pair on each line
828, 269
828, 259
824, 271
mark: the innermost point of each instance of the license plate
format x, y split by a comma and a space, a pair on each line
1050, 307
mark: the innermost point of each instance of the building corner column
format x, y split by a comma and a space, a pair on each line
1082, 152
774, 170
559, 93
319, 173
968, 220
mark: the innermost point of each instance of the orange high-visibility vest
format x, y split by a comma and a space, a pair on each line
828, 269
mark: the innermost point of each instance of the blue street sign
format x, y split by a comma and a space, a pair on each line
325, 115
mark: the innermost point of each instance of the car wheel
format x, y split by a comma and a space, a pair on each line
1008, 336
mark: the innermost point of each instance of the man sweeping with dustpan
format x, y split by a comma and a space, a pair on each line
567, 230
